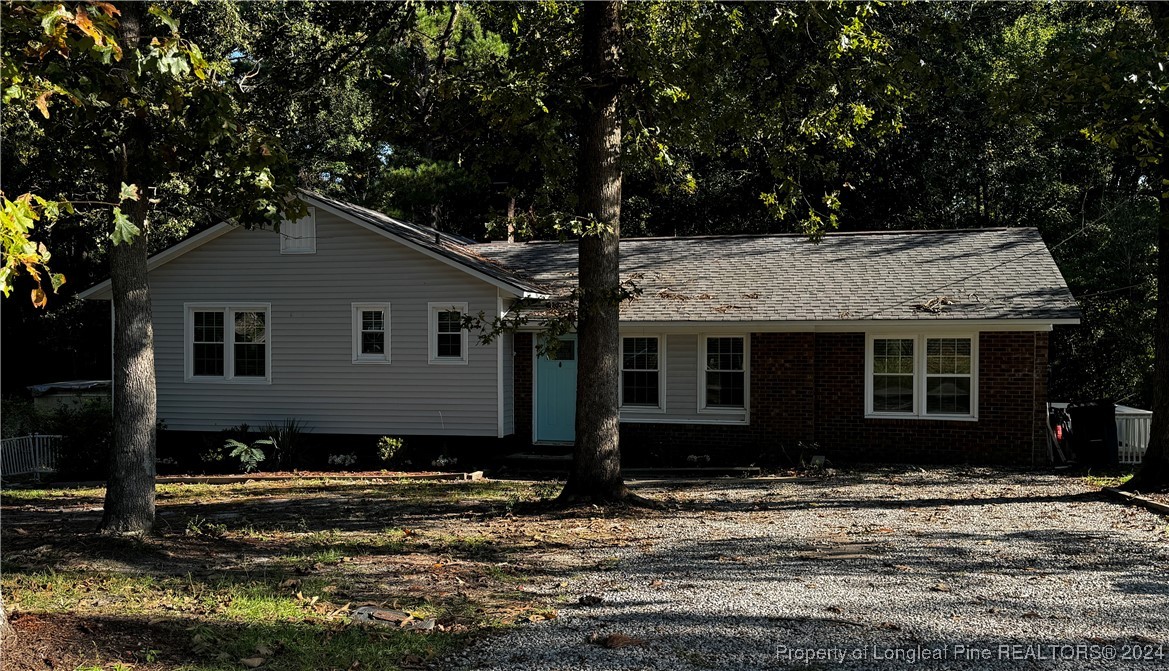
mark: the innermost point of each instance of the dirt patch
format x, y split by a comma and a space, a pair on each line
64, 641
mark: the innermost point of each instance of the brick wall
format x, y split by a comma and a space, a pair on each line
523, 387
1012, 390
809, 388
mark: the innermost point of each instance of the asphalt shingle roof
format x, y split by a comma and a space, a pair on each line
1005, 273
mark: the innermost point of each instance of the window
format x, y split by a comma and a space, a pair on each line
371, 332
947, 376
448, 338
300, 236
208, 344
228, 343
893, 375
641, 372
922, 376
725, 362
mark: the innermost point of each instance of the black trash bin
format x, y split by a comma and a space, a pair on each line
1094, 433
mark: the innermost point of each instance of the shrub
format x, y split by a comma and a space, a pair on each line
287, 442
342, 460
87, 432
250, 456
21, 418
389, 448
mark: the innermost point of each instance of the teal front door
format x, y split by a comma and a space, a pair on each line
556, 394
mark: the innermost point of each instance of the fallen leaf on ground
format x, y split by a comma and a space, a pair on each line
252, 662
941, 587
614, 641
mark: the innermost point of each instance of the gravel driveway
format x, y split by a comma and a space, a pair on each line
897, 569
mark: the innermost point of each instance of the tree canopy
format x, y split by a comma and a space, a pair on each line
738, 118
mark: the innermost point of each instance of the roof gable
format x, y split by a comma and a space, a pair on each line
452, 250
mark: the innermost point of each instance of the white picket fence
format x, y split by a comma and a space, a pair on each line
1132, 434
29, 455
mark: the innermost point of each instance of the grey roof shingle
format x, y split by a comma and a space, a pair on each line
1005, 273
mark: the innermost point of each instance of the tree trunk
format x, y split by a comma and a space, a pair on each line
129, 502
1154, 472
5, 626
596, 463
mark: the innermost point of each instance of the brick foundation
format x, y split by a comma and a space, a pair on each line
807, 397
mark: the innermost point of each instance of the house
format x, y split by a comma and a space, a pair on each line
918, 345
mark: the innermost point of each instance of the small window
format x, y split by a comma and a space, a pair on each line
371, 332
228, 343
448, 338
565, 350
725, 372
300, 236
640, 378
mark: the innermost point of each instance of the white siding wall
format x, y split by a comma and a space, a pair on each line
508, 384
313, 376
681, 381
681, 384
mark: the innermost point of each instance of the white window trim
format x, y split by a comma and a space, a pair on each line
358, 356
312, 237
189, 310
661, 406
920, 378
738, 412
432, 333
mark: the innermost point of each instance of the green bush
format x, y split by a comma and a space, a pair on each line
21, 418
287, 442
389, 448
250, 456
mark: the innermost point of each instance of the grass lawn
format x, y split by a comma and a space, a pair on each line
267, 573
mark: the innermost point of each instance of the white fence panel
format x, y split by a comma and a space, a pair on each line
1132, 436
29, 455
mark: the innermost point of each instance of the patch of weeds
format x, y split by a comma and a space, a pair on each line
471, 547
547, 489
1101, 481
201, 526
505, 573
308, 646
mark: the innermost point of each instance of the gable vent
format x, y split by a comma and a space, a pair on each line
300, 236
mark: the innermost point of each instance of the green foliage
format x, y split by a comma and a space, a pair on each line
389, 449
250, 456
86, 431
21, 253
287, 441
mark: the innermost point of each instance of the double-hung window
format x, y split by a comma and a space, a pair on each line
371, 333
228, 343
724, 368
922, 376
641, 367
448, 338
